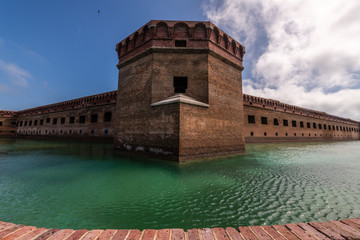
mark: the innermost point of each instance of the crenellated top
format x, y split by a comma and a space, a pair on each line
279, 106
194, 34
93, 100
7, 114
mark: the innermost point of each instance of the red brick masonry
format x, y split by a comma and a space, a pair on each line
344, 229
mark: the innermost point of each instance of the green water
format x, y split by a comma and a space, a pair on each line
83, 185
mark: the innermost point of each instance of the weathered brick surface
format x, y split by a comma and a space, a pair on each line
218, 130
258, 132
212, 65
345, 229
7, 123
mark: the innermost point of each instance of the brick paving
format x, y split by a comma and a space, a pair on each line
339, 230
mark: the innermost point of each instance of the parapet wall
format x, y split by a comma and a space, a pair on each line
78, 103
267, 120
189, 34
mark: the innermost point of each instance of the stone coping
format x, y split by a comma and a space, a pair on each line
339, 230
180, 98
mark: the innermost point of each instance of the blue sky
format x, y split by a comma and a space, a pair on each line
301, 52
52, 51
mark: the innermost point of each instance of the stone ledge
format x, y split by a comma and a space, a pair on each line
180, 98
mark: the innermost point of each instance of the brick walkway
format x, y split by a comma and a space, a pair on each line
344, 229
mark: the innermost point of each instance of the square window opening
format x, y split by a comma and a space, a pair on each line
251, 119
180, 84
180, 43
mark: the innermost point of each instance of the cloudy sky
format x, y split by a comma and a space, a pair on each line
305, 53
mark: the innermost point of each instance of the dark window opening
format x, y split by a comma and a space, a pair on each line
25, 124
21, 123
55, 121
314, 125
265, 134
72, 120
107, 117
302, 124
320, 127
70, 131
82, 119
61, 131
302, 134
293, 123
30, 122
333, 127
42, 122
286, 134
180, 84
308, 125
251, 119
180, 43
80, 131
324, 126
94, 118
252, 133
0, 123
264, 120
106, 132
62, 121
276, 122
285, 122
92, 131
13, 123
276, 134
48, 120
295, 134
35, 122
337, 128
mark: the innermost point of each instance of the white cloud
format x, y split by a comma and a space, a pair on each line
309, 50
15, 74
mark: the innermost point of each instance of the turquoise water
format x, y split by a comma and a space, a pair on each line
84, 185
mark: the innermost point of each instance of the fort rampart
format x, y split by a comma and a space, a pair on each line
179, 82
267, 120
86, 117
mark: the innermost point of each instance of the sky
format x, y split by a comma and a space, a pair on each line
301, 52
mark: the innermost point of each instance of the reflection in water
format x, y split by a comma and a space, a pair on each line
87, 185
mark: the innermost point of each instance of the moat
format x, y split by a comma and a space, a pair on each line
88, 185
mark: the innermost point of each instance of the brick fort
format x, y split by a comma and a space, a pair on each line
179, 97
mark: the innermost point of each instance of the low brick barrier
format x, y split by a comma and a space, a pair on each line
339, 230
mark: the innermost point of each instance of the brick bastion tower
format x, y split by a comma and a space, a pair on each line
180, 91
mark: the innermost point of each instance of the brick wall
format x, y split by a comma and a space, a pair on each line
261, 115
